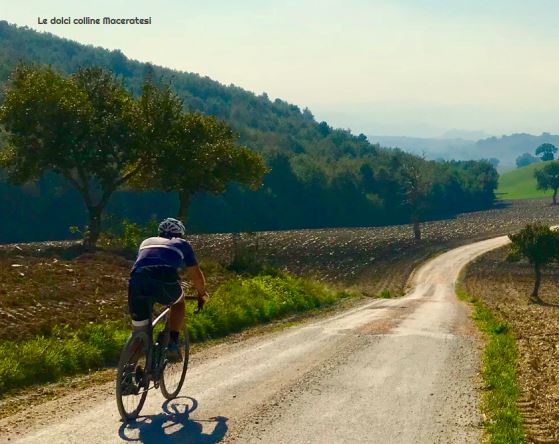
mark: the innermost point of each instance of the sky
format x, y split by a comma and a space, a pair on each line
382, 67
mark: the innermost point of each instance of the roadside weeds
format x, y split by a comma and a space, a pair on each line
19, 400
503, 423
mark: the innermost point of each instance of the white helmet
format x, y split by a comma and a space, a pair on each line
171, 227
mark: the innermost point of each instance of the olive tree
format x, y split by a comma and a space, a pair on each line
547, 178
546, 151
86, 127
416, 183
203, 157
540, 245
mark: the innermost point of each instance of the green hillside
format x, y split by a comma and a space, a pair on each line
520, 184
319, 177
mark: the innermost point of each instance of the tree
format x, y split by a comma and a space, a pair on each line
547, 178
546, 151
540, 245
86, 127
416, 185
203, 157
525, 160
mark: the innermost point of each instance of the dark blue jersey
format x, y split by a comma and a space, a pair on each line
156, 251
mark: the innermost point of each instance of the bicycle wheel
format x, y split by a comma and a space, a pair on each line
132, 381
172, 377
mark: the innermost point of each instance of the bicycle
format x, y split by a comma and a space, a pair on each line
143, 361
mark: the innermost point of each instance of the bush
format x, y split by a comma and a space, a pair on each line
120, 233
128, 235
243, 302
245, 256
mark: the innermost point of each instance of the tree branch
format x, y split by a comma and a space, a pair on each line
127, 176
80, 188
109, 191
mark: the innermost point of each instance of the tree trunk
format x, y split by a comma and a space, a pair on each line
555, 196
184, 204
94, 227
536, 291
416, 228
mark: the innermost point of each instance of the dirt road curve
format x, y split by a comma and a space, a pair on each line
389, 371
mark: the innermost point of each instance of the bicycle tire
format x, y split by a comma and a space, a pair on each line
123, 373
172, 392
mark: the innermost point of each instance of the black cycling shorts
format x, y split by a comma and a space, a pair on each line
148, 285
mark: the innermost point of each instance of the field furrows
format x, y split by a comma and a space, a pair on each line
43, 284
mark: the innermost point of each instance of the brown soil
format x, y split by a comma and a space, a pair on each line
505, 288
51, 283
39, 292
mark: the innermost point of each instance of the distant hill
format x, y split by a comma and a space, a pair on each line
320, 176
520, 183
504, 148
444, 148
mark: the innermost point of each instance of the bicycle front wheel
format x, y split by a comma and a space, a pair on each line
174, 373
132, 381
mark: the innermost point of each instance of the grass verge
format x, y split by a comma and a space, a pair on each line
236, 304
503, 422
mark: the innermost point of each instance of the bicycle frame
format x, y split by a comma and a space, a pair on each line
136, 380
152, 366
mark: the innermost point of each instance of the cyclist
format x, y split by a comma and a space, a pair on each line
155, 278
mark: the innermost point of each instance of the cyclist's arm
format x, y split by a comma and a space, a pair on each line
197, 278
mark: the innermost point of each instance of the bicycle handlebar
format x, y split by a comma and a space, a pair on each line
200, 300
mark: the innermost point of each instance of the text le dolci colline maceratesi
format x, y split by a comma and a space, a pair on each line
93, 21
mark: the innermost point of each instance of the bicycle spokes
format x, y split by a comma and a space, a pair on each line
173, 373
132, 379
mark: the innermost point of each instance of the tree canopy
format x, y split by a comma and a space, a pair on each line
546, 151
547, 178
202, 157
416, 183
95, 134
85, 127
540, 245
525, 160
320, 176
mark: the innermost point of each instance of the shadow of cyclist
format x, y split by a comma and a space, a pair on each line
174, 426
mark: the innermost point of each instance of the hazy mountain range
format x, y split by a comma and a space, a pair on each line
504, 148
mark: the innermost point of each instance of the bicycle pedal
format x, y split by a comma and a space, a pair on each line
130, 389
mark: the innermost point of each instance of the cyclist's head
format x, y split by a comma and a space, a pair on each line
170, 228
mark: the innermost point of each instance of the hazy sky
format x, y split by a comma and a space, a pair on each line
394, 67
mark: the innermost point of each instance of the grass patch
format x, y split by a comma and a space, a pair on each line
64, 352
386, 294
243, 302
504, 422
520, 183
235, 305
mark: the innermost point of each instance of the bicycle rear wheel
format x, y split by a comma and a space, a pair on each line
174, 373
132, 381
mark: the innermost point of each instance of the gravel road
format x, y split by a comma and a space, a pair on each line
389, 371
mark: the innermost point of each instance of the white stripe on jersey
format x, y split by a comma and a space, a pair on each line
169, 247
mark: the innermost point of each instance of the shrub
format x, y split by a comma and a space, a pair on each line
243, 302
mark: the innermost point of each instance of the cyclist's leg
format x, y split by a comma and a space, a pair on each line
139, 307
178, 311
173, 295
139, 301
